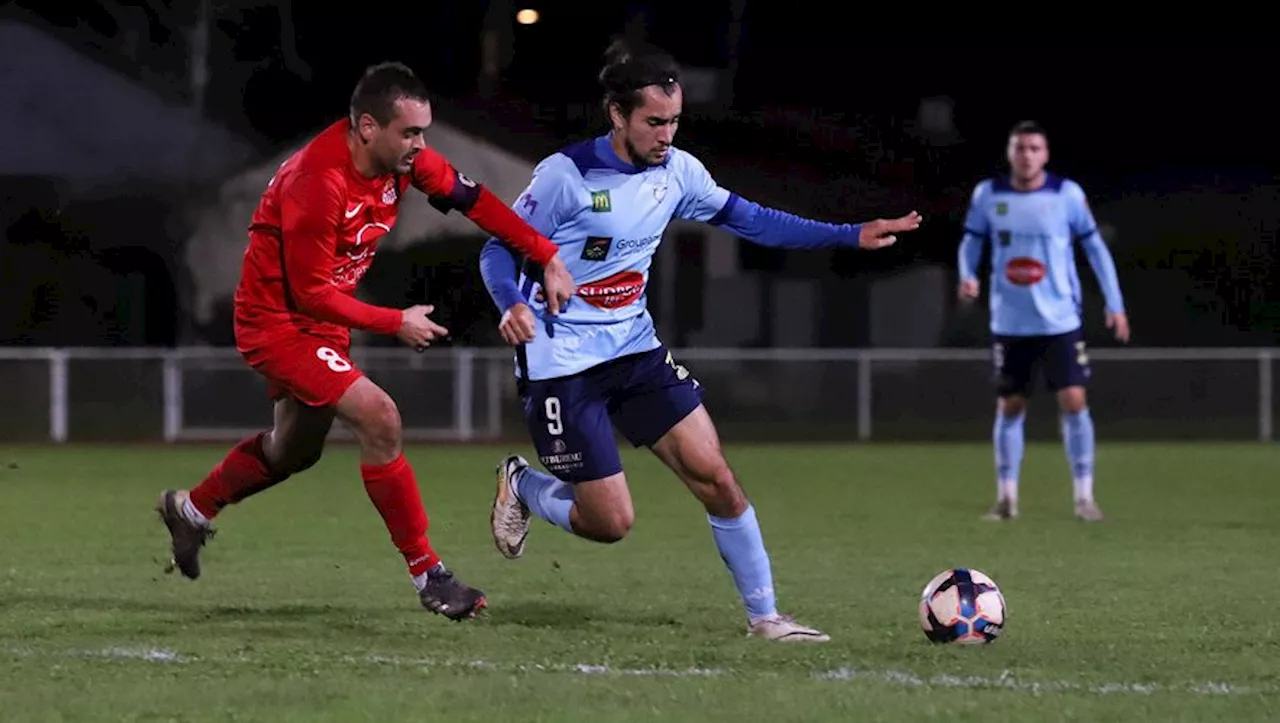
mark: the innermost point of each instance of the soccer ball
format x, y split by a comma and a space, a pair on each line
963, 606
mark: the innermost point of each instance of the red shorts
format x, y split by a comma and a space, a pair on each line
311, 368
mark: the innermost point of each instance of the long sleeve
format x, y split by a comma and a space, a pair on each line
498, 269
970, 255
309, 215
976, 232
704, 200
1085, 229
773, 228
543, 205
1104, 267
448, 190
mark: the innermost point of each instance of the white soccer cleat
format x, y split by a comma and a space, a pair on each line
1088, 511
509, 519
785, 629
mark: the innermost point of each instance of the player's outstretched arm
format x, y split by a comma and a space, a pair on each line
704, 200
773, 228
309, 213
449, 189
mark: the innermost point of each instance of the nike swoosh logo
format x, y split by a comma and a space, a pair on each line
352, 213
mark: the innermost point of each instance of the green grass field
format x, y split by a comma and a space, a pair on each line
1163, 612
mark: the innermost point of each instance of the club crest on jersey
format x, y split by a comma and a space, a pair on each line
596, 248
1002, 208
389, 192
660, 188
600, 202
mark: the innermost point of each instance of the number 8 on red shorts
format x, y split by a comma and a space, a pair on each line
312, 369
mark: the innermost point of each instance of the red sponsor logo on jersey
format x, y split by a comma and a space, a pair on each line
1023, 271
615, 291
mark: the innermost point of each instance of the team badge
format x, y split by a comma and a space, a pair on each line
660, 187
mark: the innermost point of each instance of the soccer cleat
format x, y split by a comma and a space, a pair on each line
1088, 511
445, 595
785, 629
1004, 509
509, 519
186, 536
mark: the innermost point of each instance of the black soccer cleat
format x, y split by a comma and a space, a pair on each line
186, 536
446, 595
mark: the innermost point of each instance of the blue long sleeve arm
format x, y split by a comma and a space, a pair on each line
970, 255
1104, 267
778, 229
498, 268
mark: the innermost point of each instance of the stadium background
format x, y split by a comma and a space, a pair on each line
142, 134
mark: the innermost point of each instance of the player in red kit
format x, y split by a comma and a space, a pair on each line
312, 238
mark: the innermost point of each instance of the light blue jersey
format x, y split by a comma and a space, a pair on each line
1034, 284
608, 218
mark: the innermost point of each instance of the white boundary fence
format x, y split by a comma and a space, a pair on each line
465, 394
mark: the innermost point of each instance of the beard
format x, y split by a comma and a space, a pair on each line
637, 156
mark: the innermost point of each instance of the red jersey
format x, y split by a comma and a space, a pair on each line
316, 230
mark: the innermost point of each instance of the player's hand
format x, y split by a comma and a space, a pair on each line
879, 233
416, 330
557, 285
517, 325
1119, 323
968, 291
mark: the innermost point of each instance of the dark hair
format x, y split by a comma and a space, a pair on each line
1027, 127
628, 69
379, 89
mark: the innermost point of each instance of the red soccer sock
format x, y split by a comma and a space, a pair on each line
243, 472
393, 488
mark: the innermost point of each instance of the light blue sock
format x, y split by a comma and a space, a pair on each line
1077, 438
547, 497
742, 549
1008, 437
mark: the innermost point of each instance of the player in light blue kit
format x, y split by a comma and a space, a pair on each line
1032, 221
607, 202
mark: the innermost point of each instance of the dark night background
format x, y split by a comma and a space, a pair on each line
828, 93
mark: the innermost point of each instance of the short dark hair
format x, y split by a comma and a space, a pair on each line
1027, 127
381, 86
628, 69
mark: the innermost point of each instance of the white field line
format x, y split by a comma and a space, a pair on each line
1005, 681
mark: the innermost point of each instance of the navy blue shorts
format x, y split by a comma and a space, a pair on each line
1019, 360
569, 418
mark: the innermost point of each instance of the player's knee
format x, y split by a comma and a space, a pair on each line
614, 525
1072, 400
379, 425
604, 524
1012, 405
300, 460
719, 491
286, 455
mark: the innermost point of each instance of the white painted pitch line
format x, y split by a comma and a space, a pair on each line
1005, 681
